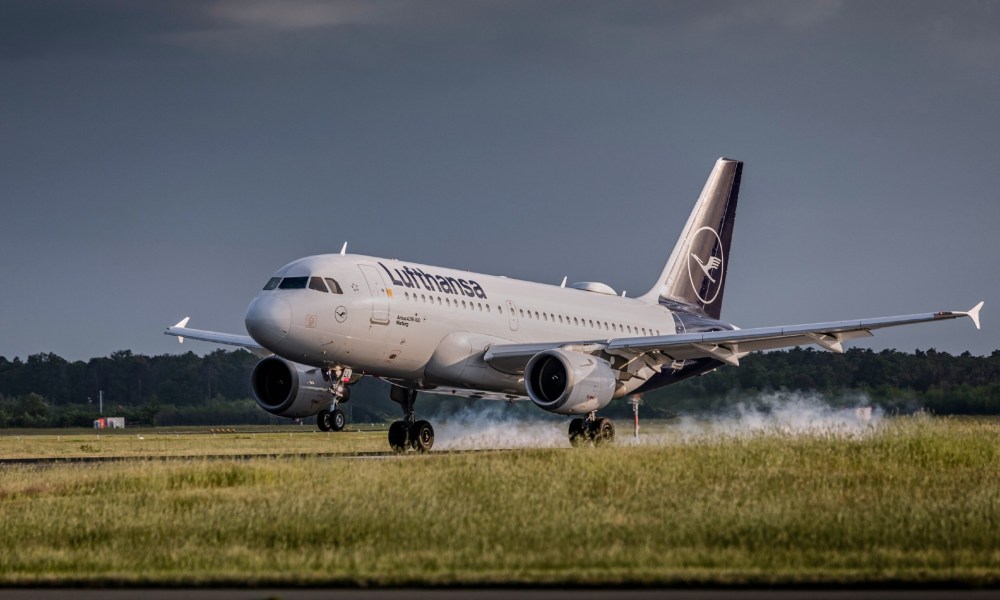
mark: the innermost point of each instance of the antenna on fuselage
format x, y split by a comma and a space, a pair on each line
343, 250
563, 284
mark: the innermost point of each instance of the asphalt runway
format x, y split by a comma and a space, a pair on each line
496, 594
44, 461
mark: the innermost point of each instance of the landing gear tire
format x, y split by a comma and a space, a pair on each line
399, 435
422, 436
602, 431
578, 434
338, 420
324, 420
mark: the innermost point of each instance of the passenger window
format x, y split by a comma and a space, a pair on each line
334, 286
272, 283
315, 283
521, 310
294, 283
576, 321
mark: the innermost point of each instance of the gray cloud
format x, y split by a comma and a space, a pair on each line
159, 159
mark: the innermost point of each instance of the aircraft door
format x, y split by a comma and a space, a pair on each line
512, 312
380, 294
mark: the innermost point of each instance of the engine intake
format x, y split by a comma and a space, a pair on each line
569, 383
287, 389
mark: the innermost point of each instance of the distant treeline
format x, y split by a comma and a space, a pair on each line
898, 382
48, 391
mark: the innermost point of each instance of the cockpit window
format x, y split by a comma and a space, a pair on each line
272, 283
334, 286
316, 283
294, 283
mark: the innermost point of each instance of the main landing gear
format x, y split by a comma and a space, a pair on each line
600, 431
334, 419
409, 433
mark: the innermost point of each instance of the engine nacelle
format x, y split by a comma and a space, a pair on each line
287, 389
569, 383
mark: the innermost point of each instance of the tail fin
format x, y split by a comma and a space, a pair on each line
694, 277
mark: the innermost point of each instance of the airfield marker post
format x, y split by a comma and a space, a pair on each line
635, 415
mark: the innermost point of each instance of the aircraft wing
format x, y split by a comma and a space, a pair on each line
246, 342
725, 346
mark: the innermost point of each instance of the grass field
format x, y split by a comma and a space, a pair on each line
187, 441
915, 500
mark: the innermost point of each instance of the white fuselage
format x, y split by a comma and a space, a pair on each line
429, 326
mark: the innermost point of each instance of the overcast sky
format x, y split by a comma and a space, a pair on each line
161, 159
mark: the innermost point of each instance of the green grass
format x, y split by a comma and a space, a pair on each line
166, 442
916, 501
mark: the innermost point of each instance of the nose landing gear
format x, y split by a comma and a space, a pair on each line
334, 419
409, 433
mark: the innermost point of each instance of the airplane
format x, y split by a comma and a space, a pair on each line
323, 322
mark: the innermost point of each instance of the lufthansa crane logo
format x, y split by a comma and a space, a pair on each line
706, 262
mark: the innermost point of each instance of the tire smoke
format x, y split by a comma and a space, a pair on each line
492, 425
785, 414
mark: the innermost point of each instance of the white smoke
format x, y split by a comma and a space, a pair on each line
489, 425
786, 414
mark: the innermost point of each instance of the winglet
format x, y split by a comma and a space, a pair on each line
974, 313
181, 325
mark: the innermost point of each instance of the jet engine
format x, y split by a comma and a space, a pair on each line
569, 383
287, 389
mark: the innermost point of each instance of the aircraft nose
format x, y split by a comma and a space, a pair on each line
268, 319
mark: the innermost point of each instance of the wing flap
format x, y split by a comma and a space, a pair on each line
727, 346
768, 338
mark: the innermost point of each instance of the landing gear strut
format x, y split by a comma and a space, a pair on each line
599, 431
334, 419
409, 433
